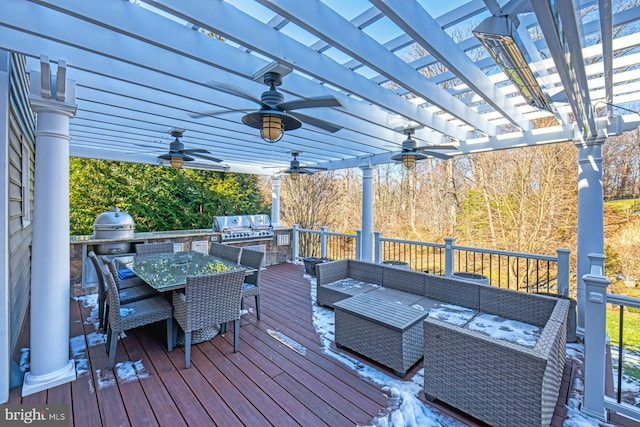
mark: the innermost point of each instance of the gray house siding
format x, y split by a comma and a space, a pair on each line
21, 133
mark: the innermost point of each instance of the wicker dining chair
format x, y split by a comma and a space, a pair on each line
207, 301
154, 248
123, 317
230, 253
129, 290
129, 294
251, 285
123, 276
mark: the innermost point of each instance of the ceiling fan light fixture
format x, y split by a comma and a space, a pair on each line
272, 128
294, 175
408, 161
177, 162
271, 123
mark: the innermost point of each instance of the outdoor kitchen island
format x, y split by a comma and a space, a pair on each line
83, 280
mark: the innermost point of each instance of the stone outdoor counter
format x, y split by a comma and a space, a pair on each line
83, 280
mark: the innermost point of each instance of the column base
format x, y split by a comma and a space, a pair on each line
35, 383
593, 414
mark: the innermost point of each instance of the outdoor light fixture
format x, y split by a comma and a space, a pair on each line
497, 34
409, 154
177, 154
295, 169
177, 162
408, 161
272, 128
271, 118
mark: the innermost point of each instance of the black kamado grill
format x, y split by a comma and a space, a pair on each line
113, 224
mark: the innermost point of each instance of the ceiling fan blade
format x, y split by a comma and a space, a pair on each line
203, 156
305, 170
313, 168
437, 147
329, 127
316, 102
438, 155
216, 113
196, 150
234, 90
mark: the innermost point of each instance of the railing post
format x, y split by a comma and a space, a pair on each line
358, 245
595, 336
377, 247
448, 256
294, 245
563, 271
323, 241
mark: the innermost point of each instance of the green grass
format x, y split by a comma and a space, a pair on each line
631, 331
623, 205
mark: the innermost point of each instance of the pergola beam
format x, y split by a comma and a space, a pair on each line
418, 24
328, 25
232, 23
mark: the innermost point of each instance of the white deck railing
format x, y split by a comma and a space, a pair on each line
615, 403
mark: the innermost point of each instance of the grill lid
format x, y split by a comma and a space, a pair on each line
231, 223
260, 222
114, 219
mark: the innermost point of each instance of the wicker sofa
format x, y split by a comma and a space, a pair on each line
494, 380
337, 280
499, 382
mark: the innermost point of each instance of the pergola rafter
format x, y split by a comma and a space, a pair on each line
142, 70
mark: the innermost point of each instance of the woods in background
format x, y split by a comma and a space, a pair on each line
521, 200
158, 198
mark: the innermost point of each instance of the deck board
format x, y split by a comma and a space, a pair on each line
280, 376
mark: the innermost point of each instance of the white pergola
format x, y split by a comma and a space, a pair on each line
136, 69
143, 67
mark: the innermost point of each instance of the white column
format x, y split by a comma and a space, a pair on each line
53, 101
590, 215
367, 213
448, 256
275, 201
595, 338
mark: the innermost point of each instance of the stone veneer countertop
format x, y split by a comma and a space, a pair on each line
88, 238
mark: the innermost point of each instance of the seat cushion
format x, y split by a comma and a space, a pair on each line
125, 273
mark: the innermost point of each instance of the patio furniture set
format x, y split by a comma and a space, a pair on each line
206, 291
396, 317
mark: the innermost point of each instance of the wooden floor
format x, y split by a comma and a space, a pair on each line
265, 383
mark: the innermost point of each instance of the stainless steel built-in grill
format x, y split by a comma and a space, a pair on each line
243, 227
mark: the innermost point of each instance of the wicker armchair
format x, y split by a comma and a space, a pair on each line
154, 248
230, 253
206, 301
123, 317
251, 285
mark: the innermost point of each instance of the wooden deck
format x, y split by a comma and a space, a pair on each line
266, 383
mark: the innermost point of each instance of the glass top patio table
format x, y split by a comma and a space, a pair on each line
168, 271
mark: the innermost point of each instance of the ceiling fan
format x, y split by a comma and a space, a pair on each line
273, 118
295, 169
411, 153
177, 154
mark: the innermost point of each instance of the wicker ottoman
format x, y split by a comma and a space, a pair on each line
382, 330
